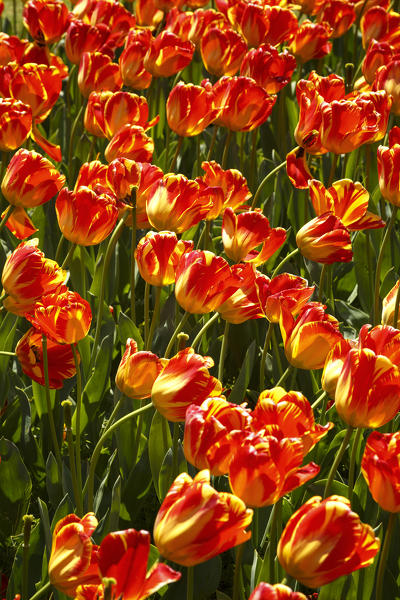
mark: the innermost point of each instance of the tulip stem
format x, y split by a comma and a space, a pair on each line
318, 400
27, 520
226, 149
396, 308
4, 353
78, 423
322, 279
175, 334
89, 485
59, 249
238, 573
43, 590
107, 258
146, 313
7, 214
71, 143
69, 256
333, 169
253, 165
154, 319
202, 331
284, 261
175, 157
384, 555
284, 376
49, 409
224, 348
264, 181
67, 404
190, 583
175, 447
352, 465
264, 355
133, 262
379, 264
336, 462
212, 143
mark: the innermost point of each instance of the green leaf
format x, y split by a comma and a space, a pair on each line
45, 521
53, 484
362, 270
39, 398
15, 488
159, 443
239, 389
207, 576
127, 329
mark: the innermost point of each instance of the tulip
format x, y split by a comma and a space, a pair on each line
222, 51
381, 470
203, 20
73, 558
96, 73
241, 234
38, 86
60, 359
15, 123
388, 78
113, 14
82, 37
90, 175
324, 540
157, 256
27, 275
310, 337
380, 24
130, 142
265, 591
296, 165
203, 282
249, 300
179, 23
311, 41
137, 372
196, 523
184, 380
168, 55
30, 180
334, 365
389, 307
263, 469
283, 25
325, 240
131, 63
190, 109
377, 55
46, 20
288, 289
233, 183
11, 48
64, 317
147, 13
270, 69
213, 431
339, 15
19, 223
86, 216
254, 24
389, 168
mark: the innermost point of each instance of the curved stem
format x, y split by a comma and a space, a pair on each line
175, 157
352, 465
237, 574
174, 335
379, 264
9, 210
69, 256
59, 249
43, 590
384, 555
154, 319
284, 261
78, 424
274, 539
96, 452
336, 462
264, 355
226, 149
4, 353
264, 181
202, 331
224, 348
49, 409
318, 400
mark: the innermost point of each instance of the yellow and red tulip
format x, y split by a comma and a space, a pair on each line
157, 256
137, 372
381, 469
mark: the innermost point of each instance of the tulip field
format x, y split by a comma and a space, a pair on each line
199, 302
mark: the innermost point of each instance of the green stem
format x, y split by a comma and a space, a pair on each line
167, 141
396, 308
4, 353
274, 539
263, 183
275, 350
190, 583
27, 519
333, 169
9, 210
202, 331
49, 409
69, 256
133, 264
264, 355
253, 166
174, 335
83, 272
318, 400
352, 465
43, 590
146, 314
224, 348
384, 555
197, 172
59, 249
237, 575
336, 462
284, 376
67, 404
226, 149
284, 261
175, 448
212, 143
175, 157
321, 282
72, 147
379, 264
154, 319
89, 485
78, 423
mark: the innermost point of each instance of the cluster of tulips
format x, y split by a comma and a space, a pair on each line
213, 217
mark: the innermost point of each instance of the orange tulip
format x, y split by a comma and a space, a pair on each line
389, 307
245, 105
368, 387
213, 432
389, 168
254, 24
15, 123
46, 20
377, 55
27, 275
157, 256
243, 233
249, 300
190, 109
233, 183
96, 73
86, 216
380, 24
334, 365
30, 180
90, 174
325, 240
147, 13
339, 15
137, 372
265, 591
179, 22
82, 37
167, 55
130, 142
288, 289
196, 523
64, 317
184, 380
297, 168
203, 282
11, 48
270, 69
324, 540
310, 337
283, 25
387, 78
19, 223
202, 20
131, 63
73, 558
60, 360
222, 51
113, 14
311, 41
263, 469
176, 204
381, 470
289, 415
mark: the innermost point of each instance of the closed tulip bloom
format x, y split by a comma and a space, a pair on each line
254, 24
96, 73
339, 15
147, 13
389, 168
264, 469
270, 69
168, 55
265, 591
297, 168
222, 51
387, 78
130, 142
283, 25
83, 37
233, 183
289, 289
15, 123
157, 256
176, 204
196, 523
377, 55
311, 41
203, 282
11, 48
27, 275
202, 20
46, 20
309, 337
324, 540
115, 16
325, 240
389, 307
86, 216
381, 469
249, 300
213, 431
190, 109
368, 387
179, 22
30, 179
380, 24
334, 365
243, 233
131, 63
38, 86
137, 372
90, 175
184, 380
73, 558
60, 359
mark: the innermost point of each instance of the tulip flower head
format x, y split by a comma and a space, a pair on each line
15, 123
157, 256
270, 69
167, 55
222, 51
190, 109
389, 307
248, 302
131, 61
265, 591
381, 469
389, 168
137, 372
46, 20
96, 73
325, 240
233, 183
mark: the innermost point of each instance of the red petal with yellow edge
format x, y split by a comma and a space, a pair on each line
19, 223
297, 169
52, 150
